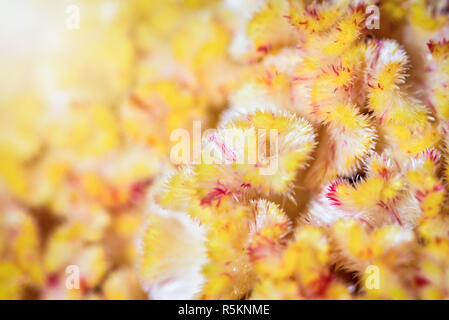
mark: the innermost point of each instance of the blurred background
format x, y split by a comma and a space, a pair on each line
89, 93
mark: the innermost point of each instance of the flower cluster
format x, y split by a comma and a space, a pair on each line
355, 207
366, 191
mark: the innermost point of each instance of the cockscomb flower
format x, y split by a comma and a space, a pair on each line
404, 124
213, 197
260, 28
236, 157
438, 78
172, 268
277, 145
376, 165
390, 193
208, 256
326, 176
390, 263
356, 248
329, 77
278, 85
382, 259
363, 200
301, 271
